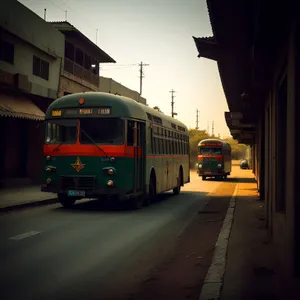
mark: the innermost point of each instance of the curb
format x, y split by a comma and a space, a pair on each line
29, 204
211, 289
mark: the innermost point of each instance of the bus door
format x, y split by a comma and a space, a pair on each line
139, 156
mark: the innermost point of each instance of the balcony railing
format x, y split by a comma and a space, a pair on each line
81, 72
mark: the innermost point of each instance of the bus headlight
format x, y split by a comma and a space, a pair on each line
48, 180
110, 183
112, 159
219, 166
110, 171
200, 166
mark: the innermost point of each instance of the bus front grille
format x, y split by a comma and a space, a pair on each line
84, 183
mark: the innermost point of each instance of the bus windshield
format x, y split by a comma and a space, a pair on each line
102, 131
61, 132
210, 151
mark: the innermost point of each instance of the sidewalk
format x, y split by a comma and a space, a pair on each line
244, 263
251, 264
12, 198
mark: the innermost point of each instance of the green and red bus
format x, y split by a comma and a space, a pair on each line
99, 145
214, 159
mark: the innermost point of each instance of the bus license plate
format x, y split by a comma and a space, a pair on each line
72, 193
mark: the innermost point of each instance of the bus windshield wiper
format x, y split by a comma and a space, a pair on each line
93, 142
55, 149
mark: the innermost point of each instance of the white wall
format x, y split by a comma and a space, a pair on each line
31, 35
108, 85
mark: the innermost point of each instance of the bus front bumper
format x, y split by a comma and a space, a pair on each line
211, 174
111, 191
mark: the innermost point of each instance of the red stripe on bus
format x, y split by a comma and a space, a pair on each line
90, 150
217, 157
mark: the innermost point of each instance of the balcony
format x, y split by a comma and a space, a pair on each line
80, 72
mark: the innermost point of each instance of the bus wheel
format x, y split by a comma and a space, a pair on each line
66, 201
203, 177
177, 189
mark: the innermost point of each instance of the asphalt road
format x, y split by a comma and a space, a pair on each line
88, 252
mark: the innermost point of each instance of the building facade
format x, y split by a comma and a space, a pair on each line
108, 85
257, 52
82, 57
31, 58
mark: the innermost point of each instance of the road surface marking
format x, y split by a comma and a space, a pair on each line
24, 235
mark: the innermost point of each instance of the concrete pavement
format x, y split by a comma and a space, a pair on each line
244, 264
16, 198
88, 253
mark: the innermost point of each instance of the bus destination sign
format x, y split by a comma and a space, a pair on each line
76, 112
104, 111
85, 111
56, 113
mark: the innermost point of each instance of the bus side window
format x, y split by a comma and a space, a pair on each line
130, 133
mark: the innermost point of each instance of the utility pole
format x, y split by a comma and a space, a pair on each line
66, 15
197, 119
219, 136
213, 129
96, 36
142, 75
172, 104
45, 14
207, 127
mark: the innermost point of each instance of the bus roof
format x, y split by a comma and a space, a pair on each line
214, 141
122, 107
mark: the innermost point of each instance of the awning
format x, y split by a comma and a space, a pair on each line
19, 107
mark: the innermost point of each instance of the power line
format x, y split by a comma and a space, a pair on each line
142, 75
172, 104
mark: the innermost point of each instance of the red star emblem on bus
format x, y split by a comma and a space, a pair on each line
78, 165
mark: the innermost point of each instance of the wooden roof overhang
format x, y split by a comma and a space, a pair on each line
243, 44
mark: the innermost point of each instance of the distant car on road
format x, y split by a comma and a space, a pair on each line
244, 164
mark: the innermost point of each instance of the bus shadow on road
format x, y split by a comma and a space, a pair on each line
97, 206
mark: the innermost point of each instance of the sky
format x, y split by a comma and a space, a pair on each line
158, 33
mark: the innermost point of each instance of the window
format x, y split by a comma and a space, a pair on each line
7, 52
61, 131
79, 57
149, 117
210, 151
87, 62
109, 131
69, 51
130, 133
40, 68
